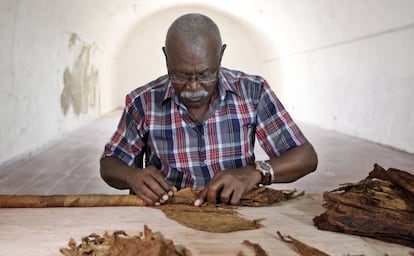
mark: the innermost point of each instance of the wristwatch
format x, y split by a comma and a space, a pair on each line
267, 172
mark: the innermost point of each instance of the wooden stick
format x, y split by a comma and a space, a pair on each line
90, 200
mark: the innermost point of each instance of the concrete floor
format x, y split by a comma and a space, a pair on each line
71, 165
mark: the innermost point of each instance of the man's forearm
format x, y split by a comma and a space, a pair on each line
294, 164
115, 172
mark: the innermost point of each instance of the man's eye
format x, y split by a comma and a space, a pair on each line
204, 75
182, 76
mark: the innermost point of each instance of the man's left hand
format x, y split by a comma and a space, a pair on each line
229, 185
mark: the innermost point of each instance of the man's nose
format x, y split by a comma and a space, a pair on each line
192, 84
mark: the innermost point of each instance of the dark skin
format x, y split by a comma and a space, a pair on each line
193, 57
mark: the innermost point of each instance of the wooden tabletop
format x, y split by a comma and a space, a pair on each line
44, 231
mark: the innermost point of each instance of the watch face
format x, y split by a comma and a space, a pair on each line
265, 166
266, 170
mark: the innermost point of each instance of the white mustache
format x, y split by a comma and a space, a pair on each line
196, 94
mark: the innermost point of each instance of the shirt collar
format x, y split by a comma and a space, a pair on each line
169, 92
225, 84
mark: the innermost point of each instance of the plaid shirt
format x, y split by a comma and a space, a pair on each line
189, 153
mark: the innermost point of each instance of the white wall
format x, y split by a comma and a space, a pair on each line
141, 58
45, 45
341, 65
348, 66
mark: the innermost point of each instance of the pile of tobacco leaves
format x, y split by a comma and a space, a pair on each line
119, 243
381, 206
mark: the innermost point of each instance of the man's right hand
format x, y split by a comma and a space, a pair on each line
149, 185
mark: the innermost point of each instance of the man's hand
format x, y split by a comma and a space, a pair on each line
147, 183
150, 185
229, 185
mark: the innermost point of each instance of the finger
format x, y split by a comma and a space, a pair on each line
225, 194
161, 181
201, 197
172, 191
148, 192
155, 190
159, 178
236, 196
213, 191
164, 199
148, 201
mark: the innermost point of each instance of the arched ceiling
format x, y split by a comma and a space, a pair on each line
140, 59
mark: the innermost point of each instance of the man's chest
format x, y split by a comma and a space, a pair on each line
229, 128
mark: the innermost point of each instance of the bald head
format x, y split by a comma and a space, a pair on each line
193, 49
191, 27
193, 43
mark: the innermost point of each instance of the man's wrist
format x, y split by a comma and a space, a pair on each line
266, 171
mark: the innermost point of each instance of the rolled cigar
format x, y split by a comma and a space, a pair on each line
90, 200
256, 197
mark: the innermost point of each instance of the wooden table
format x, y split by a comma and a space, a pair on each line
43, 231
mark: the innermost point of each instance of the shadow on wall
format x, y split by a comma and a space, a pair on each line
140, 57
80, 84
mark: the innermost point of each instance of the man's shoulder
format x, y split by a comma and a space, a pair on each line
156, 86
245, 85
237, 75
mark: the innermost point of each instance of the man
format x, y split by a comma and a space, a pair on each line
200, 123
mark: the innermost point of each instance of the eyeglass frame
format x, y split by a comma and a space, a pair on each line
186, 78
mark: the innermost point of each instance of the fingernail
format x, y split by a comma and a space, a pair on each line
165, 197
175, 189
157, 204
170, 193
198, 202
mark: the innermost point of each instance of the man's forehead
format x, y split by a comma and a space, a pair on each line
201, 50
191, 39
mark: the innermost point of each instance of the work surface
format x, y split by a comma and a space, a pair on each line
44, 231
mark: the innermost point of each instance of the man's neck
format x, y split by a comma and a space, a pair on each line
198, 114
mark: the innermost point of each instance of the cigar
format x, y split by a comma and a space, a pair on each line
81, 200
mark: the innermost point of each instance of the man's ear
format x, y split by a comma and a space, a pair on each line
223, 47
165, 54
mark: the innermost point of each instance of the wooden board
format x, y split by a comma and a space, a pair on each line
43, 231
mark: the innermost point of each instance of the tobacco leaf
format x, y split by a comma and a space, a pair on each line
373, 195
261, 196
185, 196
209, 218
402, 178
256, 247
300, 247
264, 196
380, 206
119, 243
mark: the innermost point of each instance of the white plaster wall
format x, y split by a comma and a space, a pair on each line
35, 50
348, 66
342, 65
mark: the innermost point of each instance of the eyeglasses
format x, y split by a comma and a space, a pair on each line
204, 78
